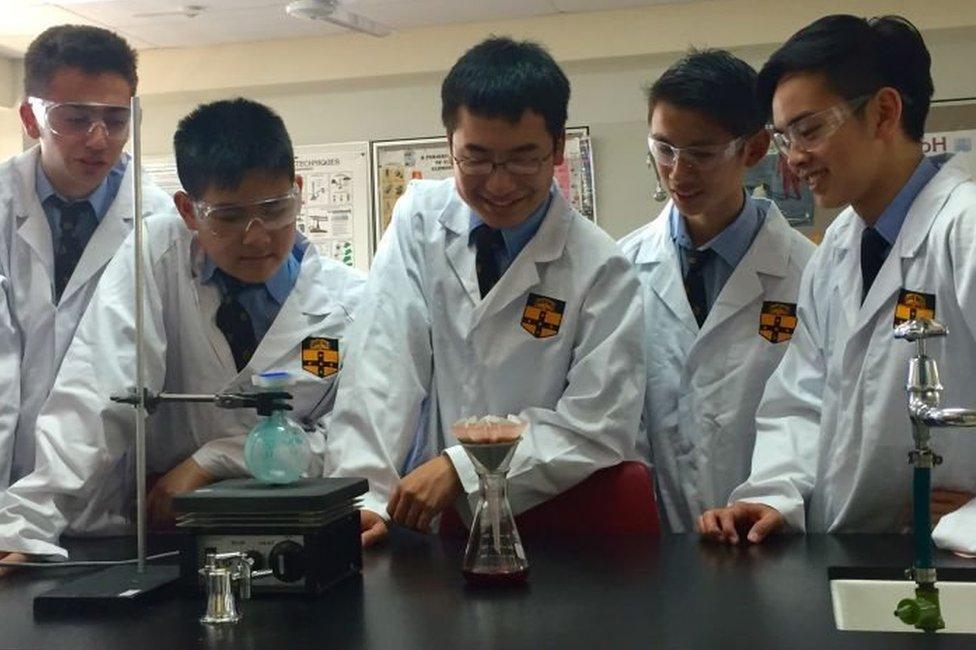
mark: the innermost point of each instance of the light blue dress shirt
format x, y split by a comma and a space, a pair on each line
262, 302
101, 198
890, 221
730, 245
515, 237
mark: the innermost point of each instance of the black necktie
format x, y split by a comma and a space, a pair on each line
874, 249
77, 225
487, 243
695, 283
234, 321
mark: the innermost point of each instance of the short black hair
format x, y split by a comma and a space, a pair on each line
500, 77
219, 143
92, 50
716, 84
858, 56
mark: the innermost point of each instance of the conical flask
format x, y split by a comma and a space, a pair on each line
494, 555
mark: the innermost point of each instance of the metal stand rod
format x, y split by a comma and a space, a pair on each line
141, 527
185, 397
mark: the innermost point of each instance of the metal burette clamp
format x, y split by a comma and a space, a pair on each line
223, 574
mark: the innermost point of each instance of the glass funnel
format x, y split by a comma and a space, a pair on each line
494, 555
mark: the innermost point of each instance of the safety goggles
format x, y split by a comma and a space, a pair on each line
226, 221
813, 130
79, 119
700, 157
516, 166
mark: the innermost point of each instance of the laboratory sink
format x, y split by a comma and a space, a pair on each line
865, 599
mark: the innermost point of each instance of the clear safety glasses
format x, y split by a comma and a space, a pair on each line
516, 166
813, 130
79, 119
226, 221
700, 157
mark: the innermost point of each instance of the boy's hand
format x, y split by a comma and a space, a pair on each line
724, 525
185, 477
424, 493
10, 557
373, 528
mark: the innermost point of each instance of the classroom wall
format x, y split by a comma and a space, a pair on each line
355, 87
11, 142
11, 80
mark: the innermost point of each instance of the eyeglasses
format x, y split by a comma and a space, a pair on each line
813, 130
520, 166
699, 157
227, 221
77, 119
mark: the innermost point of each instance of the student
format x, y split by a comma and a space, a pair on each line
489, 294
65, 208
849, 99
231, 290
720, 272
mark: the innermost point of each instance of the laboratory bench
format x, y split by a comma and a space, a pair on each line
612, 592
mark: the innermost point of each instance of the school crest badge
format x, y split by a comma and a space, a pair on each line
542, 316
777, 320
914, 304
320, 356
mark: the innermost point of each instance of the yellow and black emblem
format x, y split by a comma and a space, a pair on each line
320, 356
777, 321
542, 316
914, 304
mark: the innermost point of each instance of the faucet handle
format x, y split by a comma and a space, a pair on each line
919, 329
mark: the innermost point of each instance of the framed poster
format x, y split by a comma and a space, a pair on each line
396, 162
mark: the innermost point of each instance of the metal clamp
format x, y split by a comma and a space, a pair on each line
223, 575
263, 401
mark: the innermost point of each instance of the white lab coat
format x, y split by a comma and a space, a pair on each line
704, 384
35, 330
833, 429
83, 481
425, 333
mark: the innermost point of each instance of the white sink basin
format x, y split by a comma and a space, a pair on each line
869, 605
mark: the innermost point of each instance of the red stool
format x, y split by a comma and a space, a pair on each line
616, 500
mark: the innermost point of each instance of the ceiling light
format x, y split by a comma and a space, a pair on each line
331, 11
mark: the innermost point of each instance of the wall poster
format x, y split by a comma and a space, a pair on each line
960, 143
773, 179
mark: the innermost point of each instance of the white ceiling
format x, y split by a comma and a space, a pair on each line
227, 21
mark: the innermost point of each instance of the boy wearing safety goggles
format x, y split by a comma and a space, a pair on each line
849, 98
488, 295
231, 290
65, 208
720, 271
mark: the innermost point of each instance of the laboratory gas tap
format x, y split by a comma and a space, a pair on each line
925, 411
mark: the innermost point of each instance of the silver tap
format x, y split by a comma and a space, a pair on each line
924, 387
223, 575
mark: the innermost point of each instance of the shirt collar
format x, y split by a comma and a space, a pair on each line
732, 243
519, 235
278, 285
890, 222
100, 198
